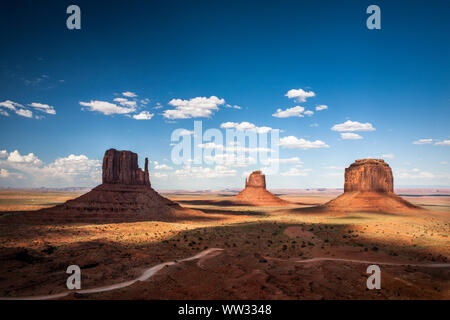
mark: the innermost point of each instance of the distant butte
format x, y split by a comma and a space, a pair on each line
125, 195
255, 192
369, 186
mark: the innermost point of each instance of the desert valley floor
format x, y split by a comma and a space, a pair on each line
265, 252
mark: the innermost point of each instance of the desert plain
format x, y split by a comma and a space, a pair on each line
262, 252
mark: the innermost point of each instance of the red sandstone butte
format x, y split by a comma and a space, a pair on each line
121, 167
255, 192
369, 186
124, 195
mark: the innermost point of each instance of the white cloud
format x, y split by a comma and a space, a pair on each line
126, 102
193, 108
292, 142
161, 166
290, 112
353, 126
202, 172
233, 107
444, 162
334, 168
232, 148
413, 174
309, 113
4, 173
185, 132
73, 170
388, 156
106, 108
299, 94
43, 107
423, 141
129, 94
443, 143
314, 125
211, 145
321, 107
230, 159
243, 126
350, 136
144, 115
24, 113
30, 158
11, 105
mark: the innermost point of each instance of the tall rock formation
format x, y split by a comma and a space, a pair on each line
125, 195
369, 186
372, 175
255, 192
121, 167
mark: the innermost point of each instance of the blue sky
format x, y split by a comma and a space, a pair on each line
246, 53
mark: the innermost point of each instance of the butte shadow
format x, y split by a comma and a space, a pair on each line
125, 195
369, 187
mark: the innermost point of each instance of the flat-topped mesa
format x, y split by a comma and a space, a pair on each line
121, 167
369, 175
256, 180
369, 187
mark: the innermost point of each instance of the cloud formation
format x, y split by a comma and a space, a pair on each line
243, 126
353, 126
199, 107
73, 170
25, 111
43, 107
443, 143
299, 94
350, 136
129, 94
292, 142
144, 115
106, 108
423, 141
296, 111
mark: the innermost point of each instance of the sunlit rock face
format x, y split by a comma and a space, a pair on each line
369, 175
255, 192
256, 180
369, 187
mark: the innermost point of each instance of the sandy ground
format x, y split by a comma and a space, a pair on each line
266, 252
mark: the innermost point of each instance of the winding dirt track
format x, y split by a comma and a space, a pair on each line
428, 265
147, 274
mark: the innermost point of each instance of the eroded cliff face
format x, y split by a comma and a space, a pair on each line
121, 167
256, 180
369, 175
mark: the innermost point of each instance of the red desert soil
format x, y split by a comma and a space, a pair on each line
262, 248
268, 252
